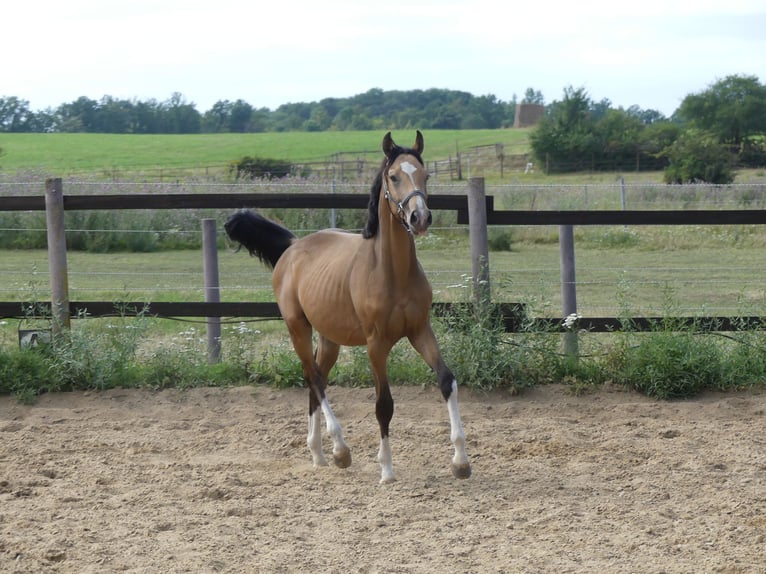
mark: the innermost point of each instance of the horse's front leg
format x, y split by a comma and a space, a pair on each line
425, 343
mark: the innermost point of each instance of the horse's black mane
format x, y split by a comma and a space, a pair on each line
371, 227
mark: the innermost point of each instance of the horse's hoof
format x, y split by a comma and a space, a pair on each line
342, 458
388, 479
320, 463
461, 470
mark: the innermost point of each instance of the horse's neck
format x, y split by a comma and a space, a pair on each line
394, 244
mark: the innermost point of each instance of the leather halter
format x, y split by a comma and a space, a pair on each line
400, 204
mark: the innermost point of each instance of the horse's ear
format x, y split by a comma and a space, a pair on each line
388, 144
418, 147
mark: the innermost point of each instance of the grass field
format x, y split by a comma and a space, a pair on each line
62, 154
713, 278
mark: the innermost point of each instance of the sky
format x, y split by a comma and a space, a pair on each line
651, 53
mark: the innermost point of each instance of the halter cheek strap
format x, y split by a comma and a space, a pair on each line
400, 204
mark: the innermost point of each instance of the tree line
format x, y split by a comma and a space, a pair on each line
374, 109
706, 137
711, 133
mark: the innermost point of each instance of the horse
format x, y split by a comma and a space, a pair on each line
359, 289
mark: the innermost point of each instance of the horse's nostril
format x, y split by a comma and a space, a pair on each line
414, 218
430, 218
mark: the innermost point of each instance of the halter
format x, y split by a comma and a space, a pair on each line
400, 204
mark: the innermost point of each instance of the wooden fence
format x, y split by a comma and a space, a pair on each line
474, 209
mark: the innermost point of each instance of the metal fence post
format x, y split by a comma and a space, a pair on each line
212, 287
57, 264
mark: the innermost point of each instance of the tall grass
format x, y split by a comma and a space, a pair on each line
671, 362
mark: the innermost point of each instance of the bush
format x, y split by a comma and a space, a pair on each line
500, 239
696, 157
260, 168
26, 373
476, 348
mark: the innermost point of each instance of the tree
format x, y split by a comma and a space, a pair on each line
532, 96
216, 119
147, 117
15, 115
646, 116
733, 109
239, 116
577, 133
565, 133
78, 116
114, 116
260, 120
179, 116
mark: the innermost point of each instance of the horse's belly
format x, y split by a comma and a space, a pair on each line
331, 312
338, 325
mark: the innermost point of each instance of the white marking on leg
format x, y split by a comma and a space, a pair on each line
340, 452
460, 465
314, 439
386, 462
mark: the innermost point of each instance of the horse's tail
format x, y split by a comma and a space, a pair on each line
263, 238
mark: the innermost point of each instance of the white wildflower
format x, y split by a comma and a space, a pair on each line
571, 319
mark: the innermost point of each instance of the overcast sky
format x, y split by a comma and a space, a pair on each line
650, 53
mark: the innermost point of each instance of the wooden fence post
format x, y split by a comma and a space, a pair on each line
212, 287
57, 264
568, 288
477, 229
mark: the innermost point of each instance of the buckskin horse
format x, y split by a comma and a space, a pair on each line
359, 289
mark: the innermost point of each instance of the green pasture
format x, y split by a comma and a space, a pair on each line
62, 153
649, 271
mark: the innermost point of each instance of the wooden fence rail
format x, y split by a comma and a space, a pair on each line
458, 203
513, 314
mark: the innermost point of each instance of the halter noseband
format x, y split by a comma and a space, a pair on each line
400, 204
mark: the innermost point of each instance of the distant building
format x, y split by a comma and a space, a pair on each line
527, 115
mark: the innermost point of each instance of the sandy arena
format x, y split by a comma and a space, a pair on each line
220, 480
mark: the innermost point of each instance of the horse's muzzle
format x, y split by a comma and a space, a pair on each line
420, 220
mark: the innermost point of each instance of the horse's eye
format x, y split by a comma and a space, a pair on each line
394, 178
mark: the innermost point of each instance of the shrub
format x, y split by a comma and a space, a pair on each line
26, 373
476, 348
260, 168
667, 365
697, 157
500, 239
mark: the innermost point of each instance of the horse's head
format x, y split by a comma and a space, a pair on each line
404, 184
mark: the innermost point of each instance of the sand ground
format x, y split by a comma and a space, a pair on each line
220, 480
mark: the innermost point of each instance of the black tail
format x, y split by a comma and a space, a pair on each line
263, 238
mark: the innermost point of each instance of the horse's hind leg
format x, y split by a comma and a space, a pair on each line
425, 344
326, 356
300, 333
315, 378
384, 407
